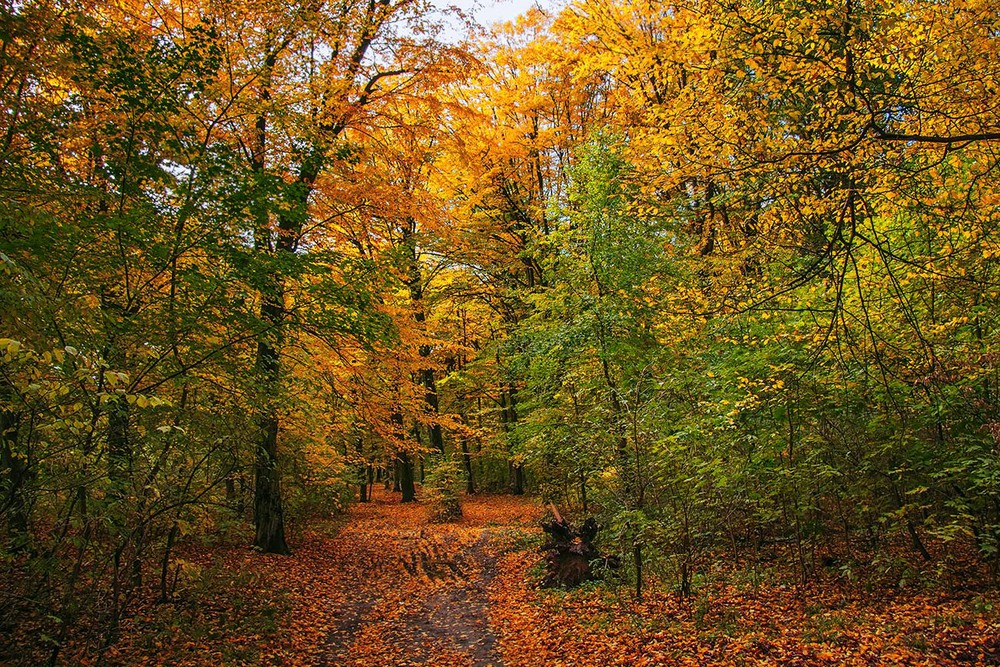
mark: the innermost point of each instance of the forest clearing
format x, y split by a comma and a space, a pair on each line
353, 332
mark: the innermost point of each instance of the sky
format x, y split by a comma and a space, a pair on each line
488, 12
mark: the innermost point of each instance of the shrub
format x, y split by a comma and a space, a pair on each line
441, 488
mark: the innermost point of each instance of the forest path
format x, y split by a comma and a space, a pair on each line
412, 592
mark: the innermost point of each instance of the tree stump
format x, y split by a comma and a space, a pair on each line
570, 554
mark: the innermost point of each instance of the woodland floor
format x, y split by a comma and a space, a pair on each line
385, 587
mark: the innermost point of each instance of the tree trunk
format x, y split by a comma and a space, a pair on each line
517, 469
119, 447
637, 561
431, 397
165, 591
15, 500
269, 522
470, 486
518, 481
363, 480
416, 286
406, 478
268, 513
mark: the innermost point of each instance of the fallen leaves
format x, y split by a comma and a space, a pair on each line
383, 586
387, 587
726, 625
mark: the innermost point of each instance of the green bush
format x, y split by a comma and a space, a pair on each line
441, 488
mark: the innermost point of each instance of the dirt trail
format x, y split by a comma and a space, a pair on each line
413, 592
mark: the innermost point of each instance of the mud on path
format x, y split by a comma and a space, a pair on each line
411, 592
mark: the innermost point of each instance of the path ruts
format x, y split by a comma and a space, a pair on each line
413, 592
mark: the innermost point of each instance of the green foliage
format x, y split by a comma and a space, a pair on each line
131, 271
781, 421
442, 487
